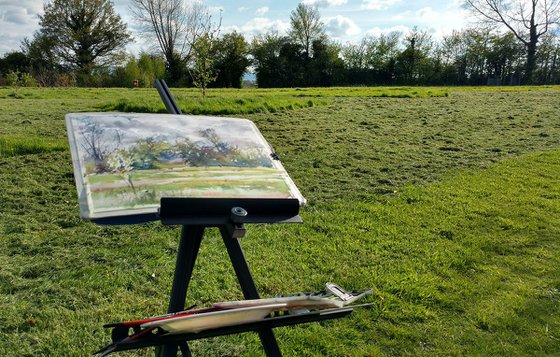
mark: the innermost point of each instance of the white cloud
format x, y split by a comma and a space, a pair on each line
262, 25
376, 31
455, 4
338, 26
378, 4
427, 13
325, 3
215, 9
18, 19
438, 23
261, 11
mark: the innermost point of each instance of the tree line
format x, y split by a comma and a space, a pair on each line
82, 43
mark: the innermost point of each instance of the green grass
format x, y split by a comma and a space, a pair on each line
448, 207
13, 145
214, 105
232, 101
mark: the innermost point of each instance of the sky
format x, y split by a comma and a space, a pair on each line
344, 20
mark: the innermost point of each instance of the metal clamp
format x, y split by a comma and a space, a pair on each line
238, 230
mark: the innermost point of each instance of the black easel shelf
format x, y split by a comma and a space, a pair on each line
271, 322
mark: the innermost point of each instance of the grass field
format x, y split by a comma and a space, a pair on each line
446, 202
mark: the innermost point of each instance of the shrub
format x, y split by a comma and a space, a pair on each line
17, 79
27, 80
12, 79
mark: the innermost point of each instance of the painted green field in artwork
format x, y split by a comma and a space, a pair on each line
145, 188
446, 204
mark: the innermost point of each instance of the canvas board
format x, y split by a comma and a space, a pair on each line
124, 163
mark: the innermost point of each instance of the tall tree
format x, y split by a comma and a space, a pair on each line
151, 68
232, 60
175, 26
87, 33
502, 57
265, 50
528, 20
306, 27
372, 60
548, 60
326, 66
14, 62
411, 62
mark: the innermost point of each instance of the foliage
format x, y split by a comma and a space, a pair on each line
175, 27
87, 33
265, 50
202, 70
14, 62
547, 60
469, 57
17, 80
481, 55
146, 69
306, 27
463, 257
372, 60
282, 63
12, 79
151, 68
43, 62
231, 61
411, 63
527, 21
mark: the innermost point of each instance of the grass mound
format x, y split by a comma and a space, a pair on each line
371, 92
23, 145
215, 105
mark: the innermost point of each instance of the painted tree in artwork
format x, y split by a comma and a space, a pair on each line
121, 163
185, 149
97, 143
147, 152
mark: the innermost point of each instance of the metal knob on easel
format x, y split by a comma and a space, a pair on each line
237, 215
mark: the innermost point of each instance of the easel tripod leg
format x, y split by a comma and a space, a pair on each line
191, 237
248, 287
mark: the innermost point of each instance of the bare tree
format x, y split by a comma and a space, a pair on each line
306, 26
98, 144
528, 20
175, 26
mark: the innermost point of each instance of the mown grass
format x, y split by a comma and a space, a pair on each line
13, 146
214, 105
448, 207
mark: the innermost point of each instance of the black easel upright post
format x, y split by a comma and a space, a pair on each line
248, 287
189, 245
191, 237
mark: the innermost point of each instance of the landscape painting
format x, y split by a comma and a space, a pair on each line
125, 163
